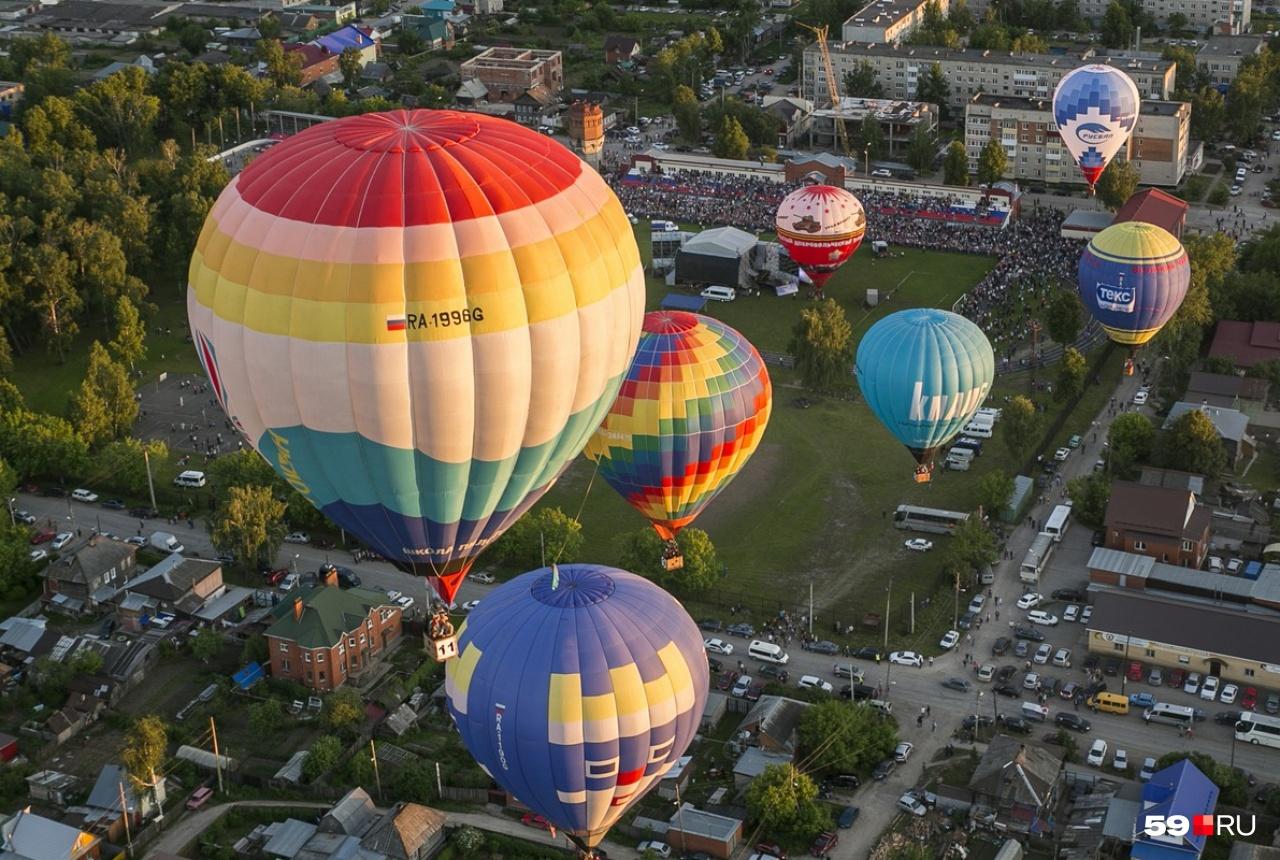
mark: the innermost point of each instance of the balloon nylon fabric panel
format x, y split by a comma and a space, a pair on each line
418, 318
691, 412
578, 695
1132, 278
923, 373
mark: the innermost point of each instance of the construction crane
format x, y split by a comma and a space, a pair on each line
833, 88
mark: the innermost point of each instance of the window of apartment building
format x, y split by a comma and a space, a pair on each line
322, 677
1186, 545
353, 641
1184, 660
1151, 652
284, 647
1116, 646
1248, 673
1139, 545
306, 656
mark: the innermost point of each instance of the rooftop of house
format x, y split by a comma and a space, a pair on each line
93, 557
1016, 772
328, 613
1155, 510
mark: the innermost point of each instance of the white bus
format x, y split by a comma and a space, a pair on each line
928, 519
1258, 729
1058, 523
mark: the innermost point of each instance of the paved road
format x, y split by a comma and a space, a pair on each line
182, 834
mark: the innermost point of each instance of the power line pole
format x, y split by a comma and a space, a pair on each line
373, 756
217, 759
146, 458
124, 806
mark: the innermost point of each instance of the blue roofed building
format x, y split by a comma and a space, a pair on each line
350, 36
1180, 789
438, 10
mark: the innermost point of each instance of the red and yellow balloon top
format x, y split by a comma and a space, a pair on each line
820, 226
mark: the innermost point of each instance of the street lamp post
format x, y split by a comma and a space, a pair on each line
977, 716
13, 520
888, 664
295, 564
866, 160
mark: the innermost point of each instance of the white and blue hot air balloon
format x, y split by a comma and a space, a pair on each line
1095, 108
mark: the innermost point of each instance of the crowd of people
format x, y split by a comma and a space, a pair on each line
1033, 258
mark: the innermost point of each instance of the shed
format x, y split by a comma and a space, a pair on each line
696, 830
291, 772
713, 710
206, 759
753, 762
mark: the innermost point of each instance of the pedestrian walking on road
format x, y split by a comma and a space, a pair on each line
934, 727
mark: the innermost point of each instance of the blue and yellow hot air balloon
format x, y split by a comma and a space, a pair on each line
924, 372
418, 318
576, 689
1133, 277
691, 412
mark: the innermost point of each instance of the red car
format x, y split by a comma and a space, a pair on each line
1134, 672
823, 845
1249, 699
273, 577
530, 819
42, 536
773, 849
1177, 678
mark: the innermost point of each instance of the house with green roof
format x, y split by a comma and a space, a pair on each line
324, 636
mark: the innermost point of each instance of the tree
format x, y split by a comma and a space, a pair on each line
821, 343
1233, 787
1070, 380
46, 273
1023, 425
349, 64
284, 69
119, 109
244, 468
1129, 443
933, 88
344, 709
837, 738
869, 138
1063, 317
125, 461
641, 552
955, 166
468, 840
1117, 183
685, 109
1117, 26
541, 537
251, 522
146, 746
994, 491
104, 407
1188, 76
8, 480
266, 717
783, 800
972, 545
325, 754
1030, 43
920, 152
129, 344
206, 645
1177, 24
1089, 496
1208, 113
989, 36
731, 141
861, 82
1192, 444
86, 662
992, 163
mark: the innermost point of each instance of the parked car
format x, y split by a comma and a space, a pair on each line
1177, 677
1249, 698
1039, 616
1192, 684
1073, 595
530, 819
1228, 694
1097, 753
848, 816
906, 658
1156, 677
919, 545
1001, 646
1007, 690
1142, 700
986, 672
883, 769
746, 631
824, 844
1015, 724
297, 537
1028, 633
658, 849
1073, 721
25, 517
1042, 654
717, 646
199, 797
957, 684
113, 505
779, 674
813, 682
822, 647
82, 495
483, 578
1148, 769
1071, 612
903, 752
61, 540
1209, 689
1121, 760
1029, 600
1134, 671
949, 640
711, 625
911, 804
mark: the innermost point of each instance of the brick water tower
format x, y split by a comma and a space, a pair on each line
586, 131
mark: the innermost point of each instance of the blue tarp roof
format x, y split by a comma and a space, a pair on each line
346, 37
677, 302
1179, 789
248, 676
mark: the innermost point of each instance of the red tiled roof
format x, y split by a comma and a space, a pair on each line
311, 54
1155, 207
1246, 343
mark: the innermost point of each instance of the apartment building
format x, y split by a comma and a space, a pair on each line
887, 21
1221, 56
1025, 128
508, 73
898, 121
969, 72
1230, 17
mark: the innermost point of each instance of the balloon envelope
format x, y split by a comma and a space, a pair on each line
576, 691
418, 318
691, 412
1095, 108
1133, 277
820, 226
924, 372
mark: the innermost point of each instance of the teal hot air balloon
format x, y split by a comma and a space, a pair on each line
924, 372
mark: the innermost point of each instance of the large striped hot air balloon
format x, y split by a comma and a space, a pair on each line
1095, 108
820, 226
418, 318
924, 372
576, 689
691, 412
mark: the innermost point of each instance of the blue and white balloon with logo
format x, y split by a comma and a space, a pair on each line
1095, 108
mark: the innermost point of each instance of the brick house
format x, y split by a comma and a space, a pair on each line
177, 584
508, 73
620, 49
91, 574
326, 634
1165, 523
316, 61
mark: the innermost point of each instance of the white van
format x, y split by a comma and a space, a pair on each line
958, 464
1032, 711
881, 705
982, 431
1173, 715
190, 479
719, 294
768, 652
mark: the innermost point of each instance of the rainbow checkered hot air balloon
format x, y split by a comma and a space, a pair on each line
418, 318
691, 412
576, 689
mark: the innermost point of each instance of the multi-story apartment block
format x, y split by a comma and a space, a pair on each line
1231, 17
1025, 128
887, 21
508, 73
969, 72
1221, 56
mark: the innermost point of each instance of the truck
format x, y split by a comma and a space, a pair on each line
166, 542
1037, 557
